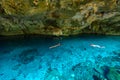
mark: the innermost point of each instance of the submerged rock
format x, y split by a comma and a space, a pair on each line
106, 71
28, 56
96, 78
71, 17
81, 70
53, 74
117, 53
111, 73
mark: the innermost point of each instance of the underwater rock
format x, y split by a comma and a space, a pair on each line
28, 56
16, 67
96, 71
96, 78
117, 53
5, 51
81, 70
116, 58
111, 73
106, 70
97, 74
76, 66
53, 74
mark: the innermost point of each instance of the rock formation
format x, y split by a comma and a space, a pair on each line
59, 17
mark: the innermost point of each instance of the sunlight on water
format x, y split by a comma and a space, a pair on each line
60, 58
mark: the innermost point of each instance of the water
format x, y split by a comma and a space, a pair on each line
31, 58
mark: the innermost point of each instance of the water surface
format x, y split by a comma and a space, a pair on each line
31, 58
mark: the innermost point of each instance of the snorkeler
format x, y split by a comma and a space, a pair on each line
97, 46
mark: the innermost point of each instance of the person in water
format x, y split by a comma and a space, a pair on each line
54, 46
97, 46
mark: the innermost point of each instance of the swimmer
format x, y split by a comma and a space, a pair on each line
97, 46
55, 46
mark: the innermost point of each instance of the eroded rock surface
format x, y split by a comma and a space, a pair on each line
59, 17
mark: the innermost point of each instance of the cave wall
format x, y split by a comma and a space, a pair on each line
59, 17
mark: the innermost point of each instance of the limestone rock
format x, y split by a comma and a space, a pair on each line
59, 17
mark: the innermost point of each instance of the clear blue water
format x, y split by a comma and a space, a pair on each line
30, 58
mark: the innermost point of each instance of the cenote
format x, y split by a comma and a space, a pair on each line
88, 57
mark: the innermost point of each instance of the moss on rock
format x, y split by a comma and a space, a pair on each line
70, 17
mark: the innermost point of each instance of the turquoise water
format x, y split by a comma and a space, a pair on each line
35, 58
